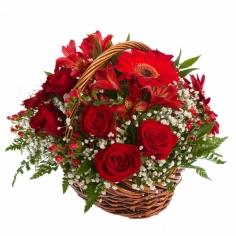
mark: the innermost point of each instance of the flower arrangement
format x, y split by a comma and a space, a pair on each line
139, 117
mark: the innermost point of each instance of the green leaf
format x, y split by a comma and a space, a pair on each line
128, 37
20, 170
84, 167
93, 191
95, 55
132, 133
47, 73
65, 184
214, 158
204, 129
98, 103
176, 62
188, 62
18, 144
92, 173
42, 170
183, 73
98, 46
138, 180
200, 171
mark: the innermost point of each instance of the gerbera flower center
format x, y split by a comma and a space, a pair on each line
146, 70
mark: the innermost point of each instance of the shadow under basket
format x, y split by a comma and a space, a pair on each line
125, 201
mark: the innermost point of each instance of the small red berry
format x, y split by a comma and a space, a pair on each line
22, 113
77, 135
207, 108
190, 121
212, 116
71, 94
188, 126
20, 133
75, 162
73, 146
193, 138
13, 130
53, 148
8, 117
199, 123
68, 113
67, 100
70, 154
101, 97
17, 126
58, 159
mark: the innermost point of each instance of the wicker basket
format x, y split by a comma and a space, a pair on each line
125, 201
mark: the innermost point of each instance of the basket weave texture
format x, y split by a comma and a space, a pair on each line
125, 201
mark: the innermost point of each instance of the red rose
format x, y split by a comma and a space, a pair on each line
46, 120
61, 82
40, 97
98, 121
117, 162
157, 139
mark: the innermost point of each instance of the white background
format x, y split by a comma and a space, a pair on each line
31, 36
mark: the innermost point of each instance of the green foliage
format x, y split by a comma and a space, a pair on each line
188, 62
24, 164
18, 144
97, 103
65, 184
183, 73
200, 171
47, 73
214, 157
204, 148
84, 167
43, 169
184, 65
128, 37
96, 50
176, 62
170, 187
132, 133
204, 129
93, 191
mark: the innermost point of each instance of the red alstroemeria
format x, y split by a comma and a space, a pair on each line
106, 79
150, 68
131, 103
164, 96
197, 85
88, 44
73, 59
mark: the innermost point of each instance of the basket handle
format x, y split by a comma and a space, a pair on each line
90, 71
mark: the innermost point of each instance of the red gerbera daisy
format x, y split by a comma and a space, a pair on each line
150, 68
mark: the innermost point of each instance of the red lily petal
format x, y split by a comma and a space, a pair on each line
141, 106
102, 84
111, 77
101, 74
119, 108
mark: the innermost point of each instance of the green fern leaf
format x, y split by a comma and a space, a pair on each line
65, 184
42, 170
200, 171
93, 191
20, 170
